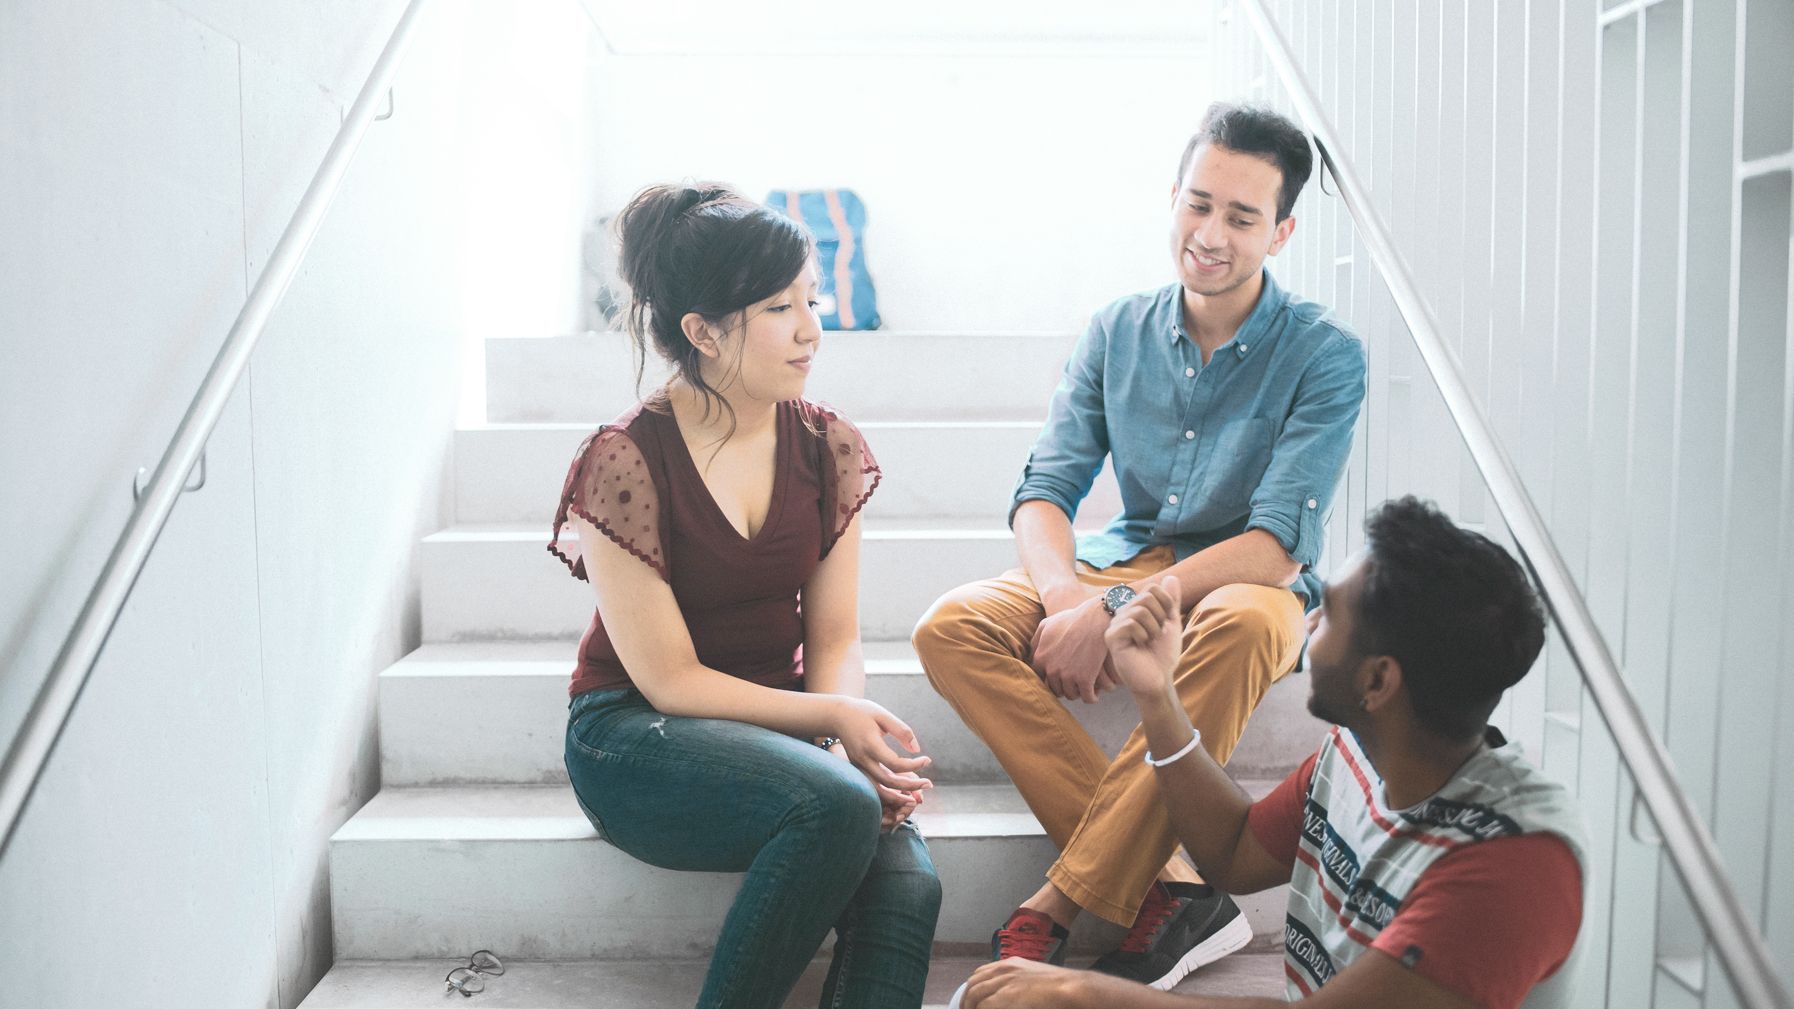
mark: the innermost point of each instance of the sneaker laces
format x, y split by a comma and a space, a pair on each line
1027, 936
1155, 910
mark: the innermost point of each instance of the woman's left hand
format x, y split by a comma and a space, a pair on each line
898, 804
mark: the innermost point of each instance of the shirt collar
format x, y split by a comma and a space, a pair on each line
1271, 299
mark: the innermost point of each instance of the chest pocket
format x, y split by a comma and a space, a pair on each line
1235, 463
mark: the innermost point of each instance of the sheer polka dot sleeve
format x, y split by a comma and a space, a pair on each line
850, 476
608, 485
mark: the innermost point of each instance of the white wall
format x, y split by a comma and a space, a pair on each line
531, 152
1599, 215
1005, 192
150, 154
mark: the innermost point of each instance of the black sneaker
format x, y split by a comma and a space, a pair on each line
1028, 934
1181, 926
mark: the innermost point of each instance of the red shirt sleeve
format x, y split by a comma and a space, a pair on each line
1490, 920
1276, 819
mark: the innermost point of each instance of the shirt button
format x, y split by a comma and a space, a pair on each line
1189, 435
1172, 499
1242, 348
1312, 503
1189, 372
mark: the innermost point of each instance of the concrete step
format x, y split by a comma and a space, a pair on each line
499, 581
660, 984
590, 377
496, 712
514, 472
517, 869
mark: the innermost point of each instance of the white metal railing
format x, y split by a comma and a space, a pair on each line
43, 724
1690, 846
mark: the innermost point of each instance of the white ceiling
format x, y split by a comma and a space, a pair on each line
971, 27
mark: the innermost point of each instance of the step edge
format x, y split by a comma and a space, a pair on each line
352, 832
567, 426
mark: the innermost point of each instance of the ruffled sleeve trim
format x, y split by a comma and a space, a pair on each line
608, 485
850, 472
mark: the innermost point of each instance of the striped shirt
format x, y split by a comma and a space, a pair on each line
1479, 887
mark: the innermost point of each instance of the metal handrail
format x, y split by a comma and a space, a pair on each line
36, 738
1742, 951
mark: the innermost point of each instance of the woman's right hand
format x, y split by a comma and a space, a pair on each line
862, 726
897, 806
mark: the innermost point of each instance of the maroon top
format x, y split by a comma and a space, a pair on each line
635, 481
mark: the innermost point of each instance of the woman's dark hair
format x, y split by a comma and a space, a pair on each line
1456, 610
700, 248
1247, 129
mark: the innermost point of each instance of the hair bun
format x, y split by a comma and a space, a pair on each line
685, 199
673, 202
656, 210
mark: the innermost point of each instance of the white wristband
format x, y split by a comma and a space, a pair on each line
1195, 739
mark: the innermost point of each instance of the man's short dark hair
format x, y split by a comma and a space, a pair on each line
1251, 130
1456, 610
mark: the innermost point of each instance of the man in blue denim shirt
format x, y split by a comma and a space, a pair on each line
1226, 405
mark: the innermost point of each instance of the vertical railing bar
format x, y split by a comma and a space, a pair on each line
1641, 45
1684, 140
1787, 491
1678, 391
1553, 673
1600, 324
1734, 306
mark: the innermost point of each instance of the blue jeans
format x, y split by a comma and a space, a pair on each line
710, 795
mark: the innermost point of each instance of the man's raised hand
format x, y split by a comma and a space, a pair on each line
1145, 637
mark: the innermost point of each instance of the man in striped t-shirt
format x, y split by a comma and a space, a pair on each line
1429, 865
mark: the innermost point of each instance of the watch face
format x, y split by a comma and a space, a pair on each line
1117, 597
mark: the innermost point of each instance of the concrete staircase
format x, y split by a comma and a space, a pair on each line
475, 840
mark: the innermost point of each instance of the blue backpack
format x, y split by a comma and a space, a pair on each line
838, 220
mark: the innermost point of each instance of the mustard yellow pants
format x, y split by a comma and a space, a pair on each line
1113, 834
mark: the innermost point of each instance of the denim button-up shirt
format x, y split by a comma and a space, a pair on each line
1255, 439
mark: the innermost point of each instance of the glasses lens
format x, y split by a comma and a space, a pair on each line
487, 963
465, 981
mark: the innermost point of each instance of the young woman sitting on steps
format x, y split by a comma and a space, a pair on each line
718, 524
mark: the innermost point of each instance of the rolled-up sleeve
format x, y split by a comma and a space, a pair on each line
1296, 493
1071, 447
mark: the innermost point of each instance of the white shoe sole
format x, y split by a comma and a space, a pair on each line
1233, 937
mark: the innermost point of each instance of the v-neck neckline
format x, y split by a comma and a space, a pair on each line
774, 507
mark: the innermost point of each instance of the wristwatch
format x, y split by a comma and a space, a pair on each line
1116, 598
